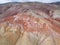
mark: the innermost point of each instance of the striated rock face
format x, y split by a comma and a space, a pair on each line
29, 24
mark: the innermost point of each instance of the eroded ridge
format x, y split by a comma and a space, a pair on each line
29, 28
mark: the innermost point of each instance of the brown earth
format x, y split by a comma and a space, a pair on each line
29, 24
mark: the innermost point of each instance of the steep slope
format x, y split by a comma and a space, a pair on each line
29, 24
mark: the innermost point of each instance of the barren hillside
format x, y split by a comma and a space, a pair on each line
29, 23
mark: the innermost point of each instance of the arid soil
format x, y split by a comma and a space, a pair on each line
29, 23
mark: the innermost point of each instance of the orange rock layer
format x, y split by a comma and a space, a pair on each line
31, 27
